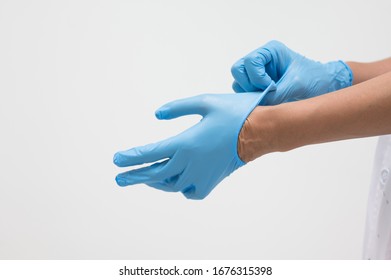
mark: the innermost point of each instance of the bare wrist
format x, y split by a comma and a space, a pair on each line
256, 137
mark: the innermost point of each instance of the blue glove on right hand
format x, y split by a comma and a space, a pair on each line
296, 76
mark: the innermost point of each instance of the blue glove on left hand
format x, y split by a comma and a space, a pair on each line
199, 158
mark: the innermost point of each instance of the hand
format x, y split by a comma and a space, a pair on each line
296, 76
196, 160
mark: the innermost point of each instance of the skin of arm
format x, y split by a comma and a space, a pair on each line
361, 110
363, 71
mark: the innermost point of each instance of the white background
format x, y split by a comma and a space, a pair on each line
80, 80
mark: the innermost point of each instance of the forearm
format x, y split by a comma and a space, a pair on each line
366, 71
359, 111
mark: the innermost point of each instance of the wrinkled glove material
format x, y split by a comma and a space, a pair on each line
296, 76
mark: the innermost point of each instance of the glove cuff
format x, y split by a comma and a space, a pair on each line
343, 76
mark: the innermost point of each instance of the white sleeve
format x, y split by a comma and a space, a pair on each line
377, 242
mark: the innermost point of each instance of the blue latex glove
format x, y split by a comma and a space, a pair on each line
199, 158
296, 76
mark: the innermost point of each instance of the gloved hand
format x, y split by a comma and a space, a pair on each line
196, 160
296, 76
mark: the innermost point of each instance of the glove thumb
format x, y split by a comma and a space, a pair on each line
182, 107
280, 94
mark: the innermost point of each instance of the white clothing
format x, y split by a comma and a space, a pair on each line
377, 242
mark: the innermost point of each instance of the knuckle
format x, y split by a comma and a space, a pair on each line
275, 43
236, 68
248, 60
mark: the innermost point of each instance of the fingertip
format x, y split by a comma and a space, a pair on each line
121, 181
116, 159
158, 114
164, 111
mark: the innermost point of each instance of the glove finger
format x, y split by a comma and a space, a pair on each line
189, 192
240, 75
142, 175
144, 154
254, 64
195, 191
161, 175
237, 88
181, 107
192, 187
